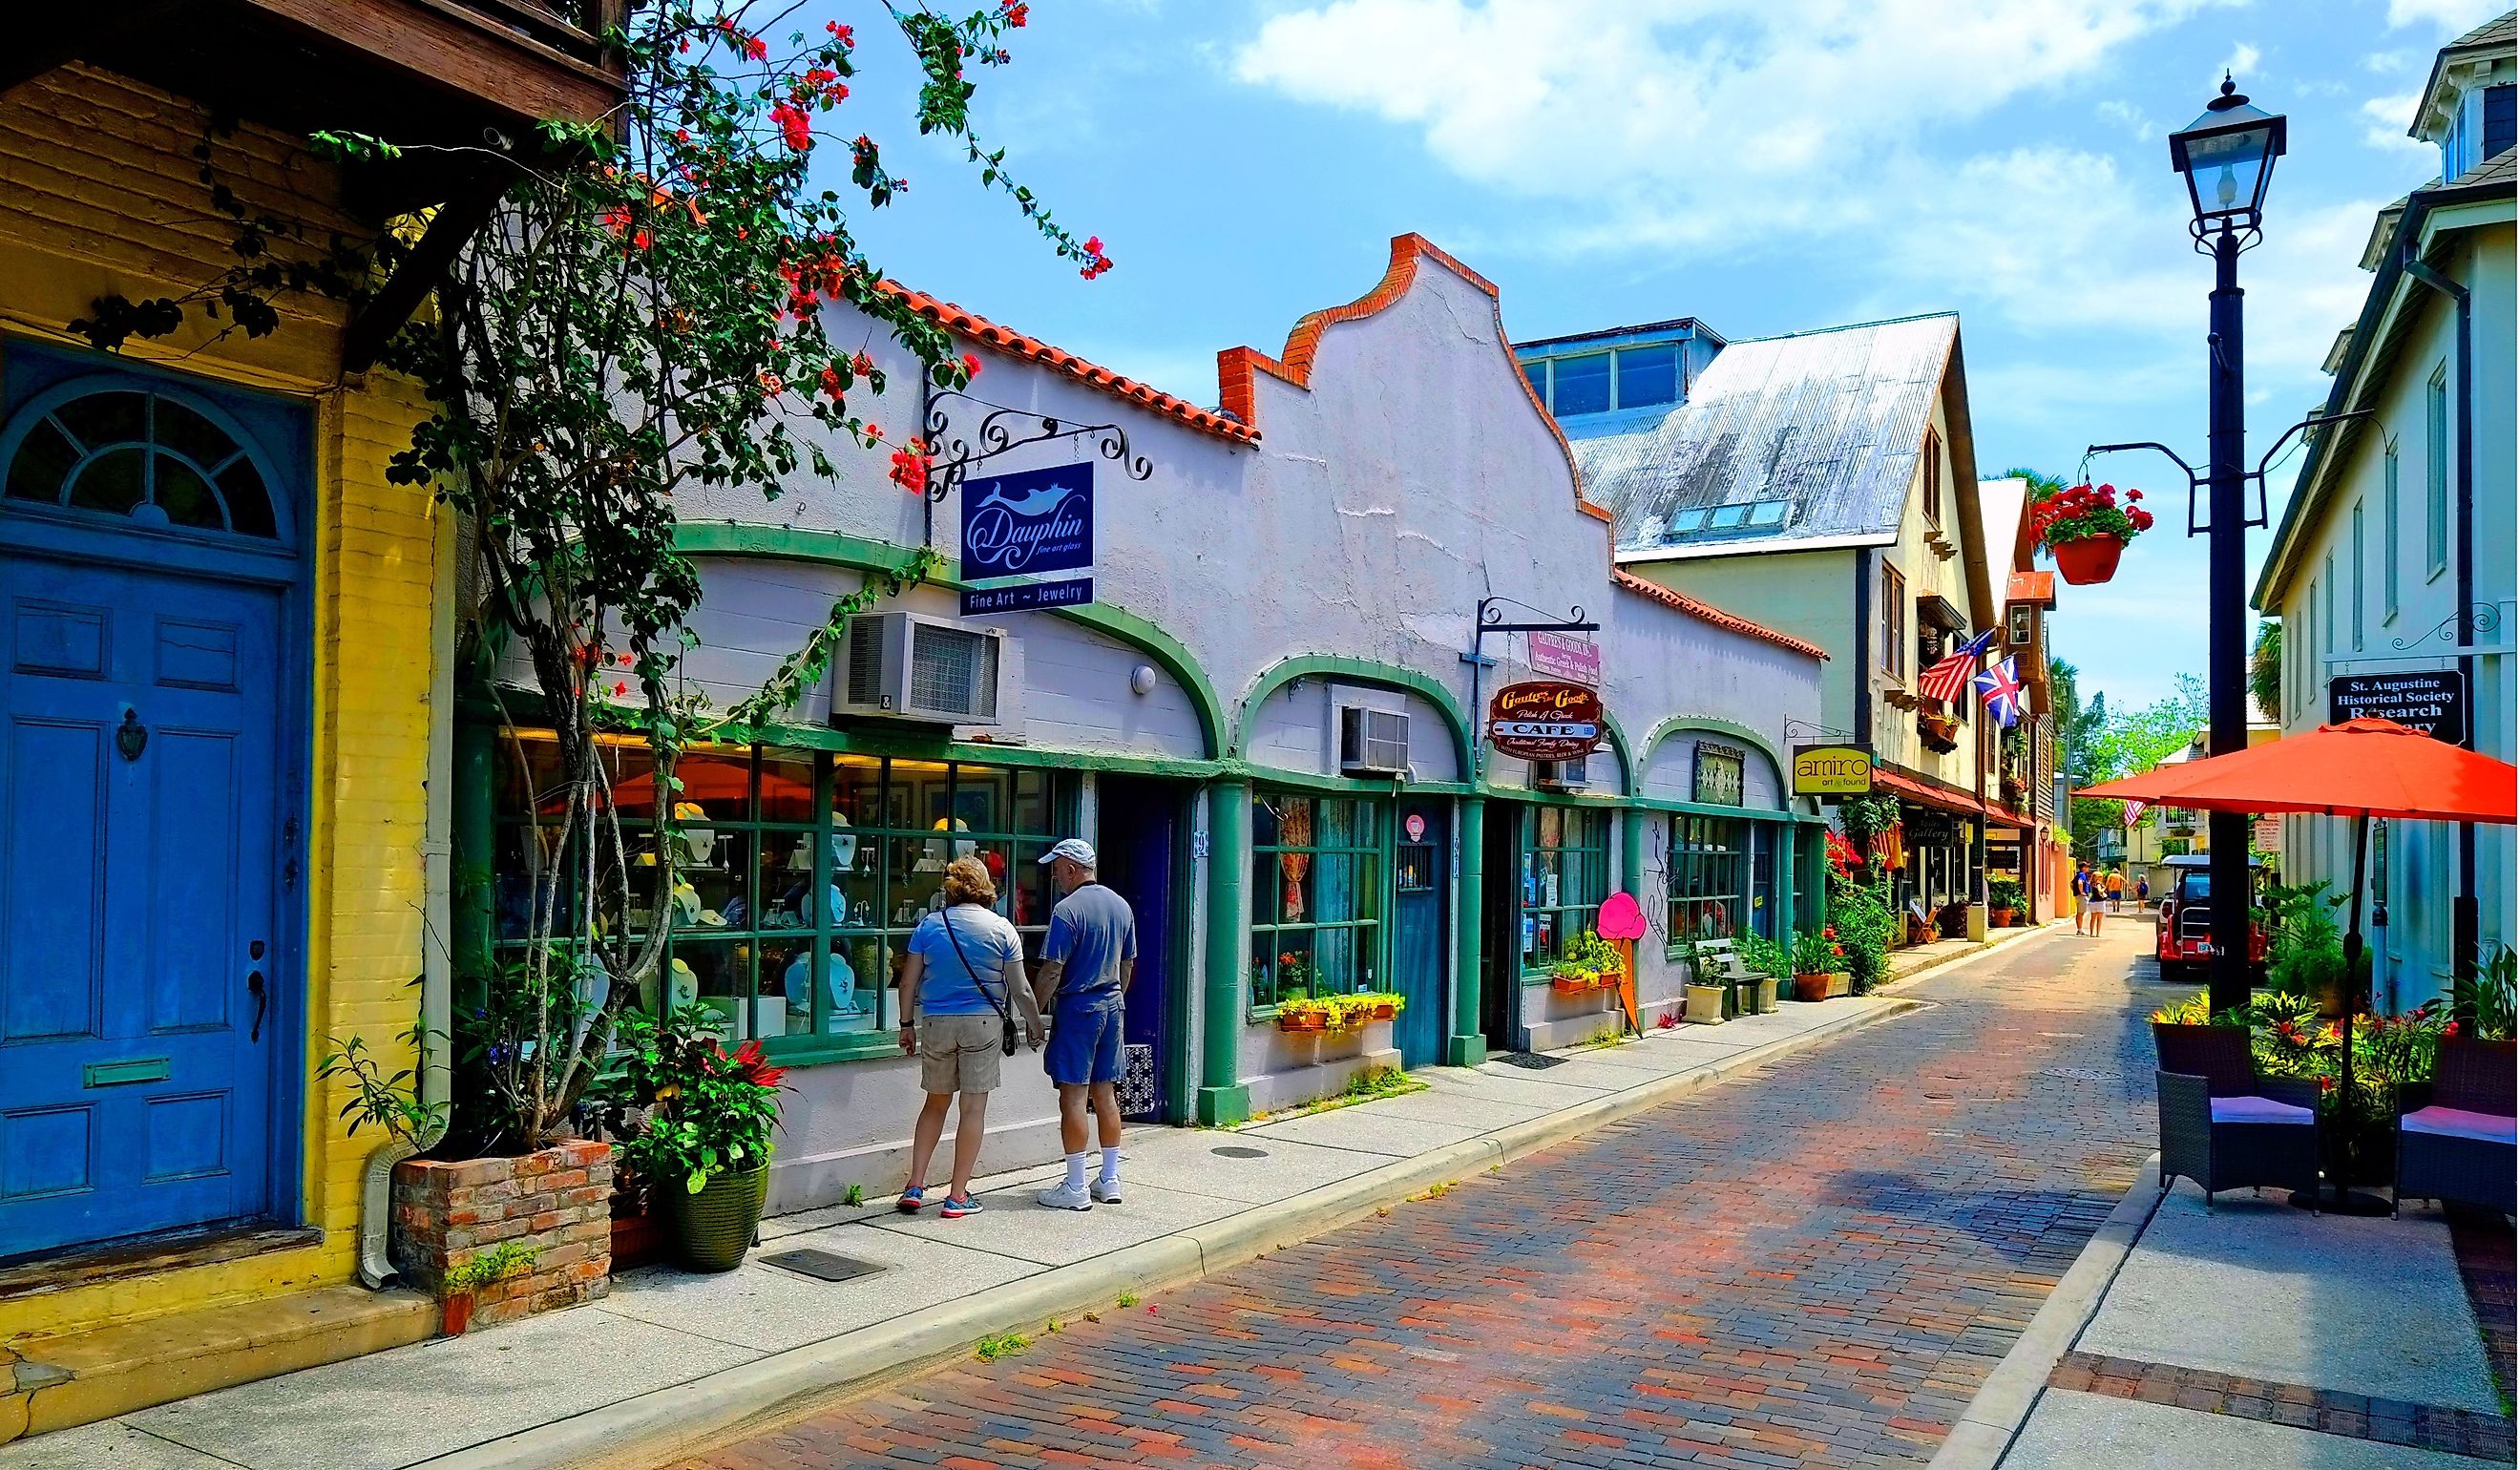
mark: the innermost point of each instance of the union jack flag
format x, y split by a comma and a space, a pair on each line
2000, 688
1950, 676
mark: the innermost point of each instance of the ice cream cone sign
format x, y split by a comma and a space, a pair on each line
1623, 922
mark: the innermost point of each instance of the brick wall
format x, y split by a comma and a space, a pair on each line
555, 1201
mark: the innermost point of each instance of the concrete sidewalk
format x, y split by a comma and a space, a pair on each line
2255, 1335
670, 1359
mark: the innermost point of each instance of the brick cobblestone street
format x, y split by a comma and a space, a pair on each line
1816, 1263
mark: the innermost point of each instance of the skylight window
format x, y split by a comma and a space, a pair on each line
1739, 518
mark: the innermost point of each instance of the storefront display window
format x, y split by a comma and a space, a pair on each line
1709, 878
759, 830
1565, 875
1316, 878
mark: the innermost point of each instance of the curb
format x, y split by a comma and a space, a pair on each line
654, 1428
1993, 1419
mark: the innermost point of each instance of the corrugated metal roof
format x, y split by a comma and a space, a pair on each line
1831, 423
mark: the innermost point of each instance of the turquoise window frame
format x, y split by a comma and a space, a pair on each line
874, 848
1573, 911
1371, 860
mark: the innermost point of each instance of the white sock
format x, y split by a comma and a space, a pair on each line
1075, 1170
1111, 1166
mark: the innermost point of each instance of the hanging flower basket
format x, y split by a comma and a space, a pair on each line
2086, 530
2088, 561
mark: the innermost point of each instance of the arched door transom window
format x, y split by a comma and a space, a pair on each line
143, 453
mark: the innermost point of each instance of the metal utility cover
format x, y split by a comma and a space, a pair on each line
822, 1265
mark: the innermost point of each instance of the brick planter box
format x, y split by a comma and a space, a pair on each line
556, 1201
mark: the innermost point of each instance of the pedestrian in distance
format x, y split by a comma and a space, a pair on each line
2142, 890
2087, 911
964, 971
2117, 889
1087, 963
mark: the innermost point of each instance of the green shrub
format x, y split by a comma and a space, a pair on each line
1862, 920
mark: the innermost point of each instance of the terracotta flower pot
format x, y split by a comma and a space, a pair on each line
2087, 560
454, 1313
1287, 1021
1385, 1011
1812, 987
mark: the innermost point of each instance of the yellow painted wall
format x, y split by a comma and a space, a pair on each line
104, 196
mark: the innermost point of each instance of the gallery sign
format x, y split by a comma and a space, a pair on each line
1546, 720
1029, 522
2434, 701
1844, 769
1565, 656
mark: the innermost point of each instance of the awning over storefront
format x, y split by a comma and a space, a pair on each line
1927, 795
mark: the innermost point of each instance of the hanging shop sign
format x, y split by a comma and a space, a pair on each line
1546, 720
1935, 830
2434, 701
1562, 656
1840, 770
1717, 775
981, 601
1028, 523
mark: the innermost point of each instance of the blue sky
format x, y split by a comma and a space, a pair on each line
1767, 165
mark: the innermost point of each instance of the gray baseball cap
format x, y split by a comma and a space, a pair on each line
1075, 850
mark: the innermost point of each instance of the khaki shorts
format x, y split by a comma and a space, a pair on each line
960, 1053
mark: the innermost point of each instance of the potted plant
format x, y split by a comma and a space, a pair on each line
1294, 975
1302, 1014
464, 1281
1815, 958
1769, 963
2002, 902
699, 1121
2084, 530
1387, 1005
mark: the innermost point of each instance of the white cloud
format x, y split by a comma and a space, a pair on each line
1699, 119
2385, 125
2381, 63
2448, 14
2130, 118
2242, 64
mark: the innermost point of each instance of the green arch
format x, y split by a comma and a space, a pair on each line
1629, 774
738, 539
1675, 724
1362, 671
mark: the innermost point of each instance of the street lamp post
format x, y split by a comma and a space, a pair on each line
2228, 155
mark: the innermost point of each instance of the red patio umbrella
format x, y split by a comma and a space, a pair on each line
2360, 769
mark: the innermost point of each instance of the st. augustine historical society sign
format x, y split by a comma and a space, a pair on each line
2432, 700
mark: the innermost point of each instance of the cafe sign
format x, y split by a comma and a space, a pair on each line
1840, 770
1546, 720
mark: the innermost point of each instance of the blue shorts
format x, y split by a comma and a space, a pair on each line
1083, 1043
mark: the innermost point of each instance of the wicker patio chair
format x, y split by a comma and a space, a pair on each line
2455, 1134
2224, 1126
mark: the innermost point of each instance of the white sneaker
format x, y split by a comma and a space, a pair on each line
1066, 1197
1105, 1191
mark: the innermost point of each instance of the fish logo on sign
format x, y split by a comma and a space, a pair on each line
1035, 520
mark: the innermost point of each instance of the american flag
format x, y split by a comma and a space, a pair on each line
2134, 811
2000, 688
1948, 678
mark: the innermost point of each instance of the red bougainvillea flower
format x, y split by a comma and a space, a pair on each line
875, 432
970, 364
910, 467
841, 33
1014, 13
619, 688
862, 365
794, 126
833, 386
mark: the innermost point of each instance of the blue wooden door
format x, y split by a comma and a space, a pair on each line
1419, 891
138, 967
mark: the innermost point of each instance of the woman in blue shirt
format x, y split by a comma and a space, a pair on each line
965, 969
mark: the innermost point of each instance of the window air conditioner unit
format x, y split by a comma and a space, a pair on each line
912, 667
1558, 776
1372, 741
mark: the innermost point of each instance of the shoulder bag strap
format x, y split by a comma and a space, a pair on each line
945, 916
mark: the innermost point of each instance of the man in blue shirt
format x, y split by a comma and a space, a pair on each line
1086, 965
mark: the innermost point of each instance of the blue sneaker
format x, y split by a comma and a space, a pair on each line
912, 1201
956, 1209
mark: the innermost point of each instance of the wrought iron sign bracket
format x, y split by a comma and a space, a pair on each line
1490, 618
1002, 431
2198, 483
